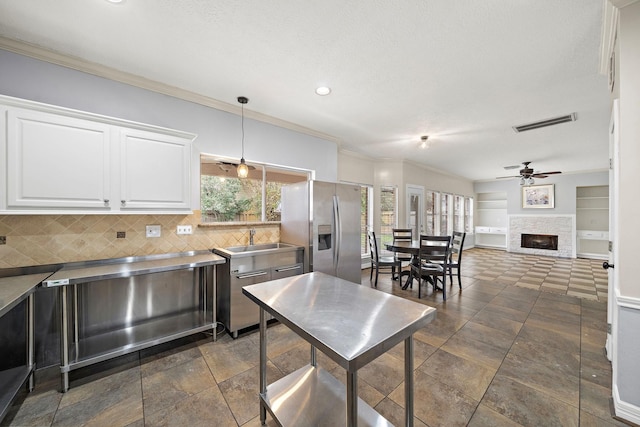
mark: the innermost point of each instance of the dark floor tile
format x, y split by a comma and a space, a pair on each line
437, 404
166, 388
37, 409
475, 351
543, 378
421, 352
569, 329
512, 303
469, 377
569, 343
114, 408
487, 317
228, 357
395, 413
207, 405
487, 417
300, 356
241, 392
594, 399
495, 337
384, 373
527, 406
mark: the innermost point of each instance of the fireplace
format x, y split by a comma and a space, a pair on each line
539, 241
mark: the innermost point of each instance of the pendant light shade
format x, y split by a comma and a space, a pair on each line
242, 169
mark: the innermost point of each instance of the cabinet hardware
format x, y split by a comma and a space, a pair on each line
256, 274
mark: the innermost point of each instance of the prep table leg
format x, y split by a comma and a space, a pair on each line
30, 341
263, 364
408, 380
352, 398
64, 342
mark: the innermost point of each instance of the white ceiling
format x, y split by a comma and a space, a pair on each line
463, 72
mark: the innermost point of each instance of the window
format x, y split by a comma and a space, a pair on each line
226, 198
366, 217
458, 213
468, 214
388, 216
446, 214
431, 213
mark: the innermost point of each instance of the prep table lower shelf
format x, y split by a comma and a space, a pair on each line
11, 380
101, 347
312, 396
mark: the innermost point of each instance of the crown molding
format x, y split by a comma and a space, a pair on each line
104, 71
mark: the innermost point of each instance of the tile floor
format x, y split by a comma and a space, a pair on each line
497, 355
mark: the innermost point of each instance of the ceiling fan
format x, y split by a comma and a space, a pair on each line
527, 174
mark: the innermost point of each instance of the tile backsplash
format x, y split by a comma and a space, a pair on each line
52, 239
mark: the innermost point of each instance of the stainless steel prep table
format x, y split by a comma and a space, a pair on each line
14, 290
351, 324
121, 306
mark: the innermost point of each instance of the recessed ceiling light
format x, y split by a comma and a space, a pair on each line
424, 143
115, 1
323, 90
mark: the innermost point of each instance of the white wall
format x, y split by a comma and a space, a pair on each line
564, 186
219, 132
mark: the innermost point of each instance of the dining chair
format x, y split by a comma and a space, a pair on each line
381, 262
432, 262
403, 235
455, 255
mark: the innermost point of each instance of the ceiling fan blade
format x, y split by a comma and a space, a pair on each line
538, 175
512, 176
511, 167
549, 173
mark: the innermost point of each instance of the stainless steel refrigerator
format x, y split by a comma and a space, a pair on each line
324, 217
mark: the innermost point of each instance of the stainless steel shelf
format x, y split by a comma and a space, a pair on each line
12, 380
311, 396
101, 347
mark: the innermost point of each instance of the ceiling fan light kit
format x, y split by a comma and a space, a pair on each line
243, 169
527, 174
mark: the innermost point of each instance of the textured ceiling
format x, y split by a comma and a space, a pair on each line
463, 72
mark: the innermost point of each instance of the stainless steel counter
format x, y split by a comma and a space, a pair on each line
351, 324
14, 290
126, 267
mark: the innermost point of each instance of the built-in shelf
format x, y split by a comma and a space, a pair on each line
491, 220
592, 221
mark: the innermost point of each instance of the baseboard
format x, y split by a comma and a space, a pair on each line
624, 411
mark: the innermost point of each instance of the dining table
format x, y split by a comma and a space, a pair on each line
412, 248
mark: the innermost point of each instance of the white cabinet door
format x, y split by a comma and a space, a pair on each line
56, 162
154, 171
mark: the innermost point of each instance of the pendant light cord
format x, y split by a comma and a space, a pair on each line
242, 127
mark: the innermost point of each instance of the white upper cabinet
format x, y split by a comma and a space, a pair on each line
65, 161
55, 161
153, 168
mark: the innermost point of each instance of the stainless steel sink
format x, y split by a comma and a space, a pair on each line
262, 247
253, 249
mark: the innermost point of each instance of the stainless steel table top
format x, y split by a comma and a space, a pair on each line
350, 323
16, 288
70, 275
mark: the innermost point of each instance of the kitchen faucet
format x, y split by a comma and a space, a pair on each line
252, 232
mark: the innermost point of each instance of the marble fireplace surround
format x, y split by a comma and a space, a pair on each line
564, 226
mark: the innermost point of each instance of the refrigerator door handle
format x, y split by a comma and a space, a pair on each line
338, 230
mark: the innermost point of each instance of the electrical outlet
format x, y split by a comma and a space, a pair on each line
153, 231
184, 229
121, 234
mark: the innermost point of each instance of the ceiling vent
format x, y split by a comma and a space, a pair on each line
544, 123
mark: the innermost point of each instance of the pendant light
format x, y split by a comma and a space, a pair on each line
243, 169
